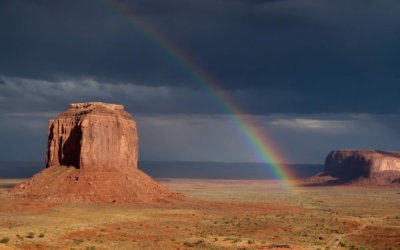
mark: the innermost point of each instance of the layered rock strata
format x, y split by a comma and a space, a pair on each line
93, 136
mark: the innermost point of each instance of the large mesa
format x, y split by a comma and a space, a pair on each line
92, 156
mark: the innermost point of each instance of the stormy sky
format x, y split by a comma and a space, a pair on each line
313, 75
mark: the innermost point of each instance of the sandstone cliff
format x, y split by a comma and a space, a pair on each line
93, 136
91, 157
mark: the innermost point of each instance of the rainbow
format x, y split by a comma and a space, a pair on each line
249, 131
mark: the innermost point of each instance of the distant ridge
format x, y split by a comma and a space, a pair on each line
181, 169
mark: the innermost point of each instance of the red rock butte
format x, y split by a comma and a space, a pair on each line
93, 136
92, 156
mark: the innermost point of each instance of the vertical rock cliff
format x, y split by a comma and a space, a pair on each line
93, 136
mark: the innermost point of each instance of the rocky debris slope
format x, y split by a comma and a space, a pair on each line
92, 157
61, 184
360, 168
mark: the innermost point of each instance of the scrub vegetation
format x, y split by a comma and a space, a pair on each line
216, 215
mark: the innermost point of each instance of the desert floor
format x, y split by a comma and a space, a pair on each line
214, 215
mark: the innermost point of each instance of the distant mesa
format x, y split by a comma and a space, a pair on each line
92, 156
366, 163
360, 168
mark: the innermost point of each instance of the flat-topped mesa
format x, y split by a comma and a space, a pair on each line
93, 136
91, 105
95, 108
352, 163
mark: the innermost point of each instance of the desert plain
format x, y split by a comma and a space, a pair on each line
213, 214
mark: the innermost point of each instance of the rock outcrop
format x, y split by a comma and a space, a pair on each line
92, 157
354, 163
359, 168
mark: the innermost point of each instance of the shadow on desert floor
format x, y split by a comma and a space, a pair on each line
324, 184
323, 180
6, 186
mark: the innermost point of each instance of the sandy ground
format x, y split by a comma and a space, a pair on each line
213, 215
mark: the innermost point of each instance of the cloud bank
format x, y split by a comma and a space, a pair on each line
314, 75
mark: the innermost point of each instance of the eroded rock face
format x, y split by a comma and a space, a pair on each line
93, 136
353, 163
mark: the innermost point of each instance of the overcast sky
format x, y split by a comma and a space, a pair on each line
314, 75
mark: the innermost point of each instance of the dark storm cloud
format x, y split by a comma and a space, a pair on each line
271, 56
258, 1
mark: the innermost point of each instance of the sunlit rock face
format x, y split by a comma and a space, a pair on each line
352, 163
93, 136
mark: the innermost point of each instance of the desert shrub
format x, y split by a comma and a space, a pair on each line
5, 240
41, 235
77, 240
31, 235
188, 244
237, 240
199, 242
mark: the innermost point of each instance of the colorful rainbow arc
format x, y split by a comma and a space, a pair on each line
248, 130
